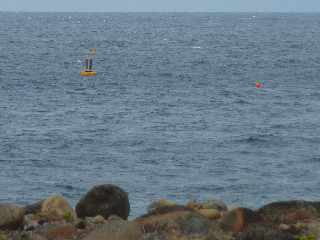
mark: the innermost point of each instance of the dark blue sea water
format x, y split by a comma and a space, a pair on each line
173, 112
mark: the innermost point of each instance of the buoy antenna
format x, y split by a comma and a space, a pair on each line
93, 51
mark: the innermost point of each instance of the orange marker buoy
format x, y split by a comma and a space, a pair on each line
258, 84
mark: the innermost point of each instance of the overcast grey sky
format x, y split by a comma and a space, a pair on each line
161, 5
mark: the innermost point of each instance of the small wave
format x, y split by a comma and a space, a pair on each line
199, 62
165, 74
242, 102
314, 159
196, 189
196, 47
255, 139
66, 187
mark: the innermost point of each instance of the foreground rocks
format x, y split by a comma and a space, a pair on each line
102, 215
116, 230
180, 223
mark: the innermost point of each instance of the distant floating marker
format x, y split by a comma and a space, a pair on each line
88, 70
258, 84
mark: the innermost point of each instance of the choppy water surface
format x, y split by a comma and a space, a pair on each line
173, 112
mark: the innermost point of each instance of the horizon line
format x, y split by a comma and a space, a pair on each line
36, 11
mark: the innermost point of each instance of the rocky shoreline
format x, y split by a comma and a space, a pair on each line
102, 214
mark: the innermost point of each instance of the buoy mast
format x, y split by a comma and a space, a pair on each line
88, 71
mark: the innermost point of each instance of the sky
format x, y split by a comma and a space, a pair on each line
161, 5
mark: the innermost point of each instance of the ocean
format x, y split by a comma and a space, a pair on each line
173, 111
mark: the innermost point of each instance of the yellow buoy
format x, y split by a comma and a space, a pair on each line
88, 73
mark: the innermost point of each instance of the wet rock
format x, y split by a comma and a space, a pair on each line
104, 200
289, 212
81, 224
3, 236
54, 208
312, 228
237, 220
57, 208
58, 232
212, 214
116, 230
30, 222
26, 236
179, 224
209, 204
99, 220
161, 203
33, 208
167, 209
96, 220
11, 216
114, 218
284, 227
264, 233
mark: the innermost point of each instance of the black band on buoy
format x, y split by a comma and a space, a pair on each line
87, 63
90, 64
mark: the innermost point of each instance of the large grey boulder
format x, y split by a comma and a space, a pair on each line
104, 200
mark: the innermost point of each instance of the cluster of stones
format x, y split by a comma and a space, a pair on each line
103, 212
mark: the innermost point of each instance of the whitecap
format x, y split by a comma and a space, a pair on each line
196, 47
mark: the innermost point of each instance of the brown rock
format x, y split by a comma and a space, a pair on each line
237, 220
289, 212
96, 220
167, 209
25, 236
30, 222
312, 228
58, 232
209, 204
80, 224
57, 208
284, 227
179, 224
3, 236
116, 230
212, 214
99, 219
159, 204
11, 216
261, 232
33, 208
